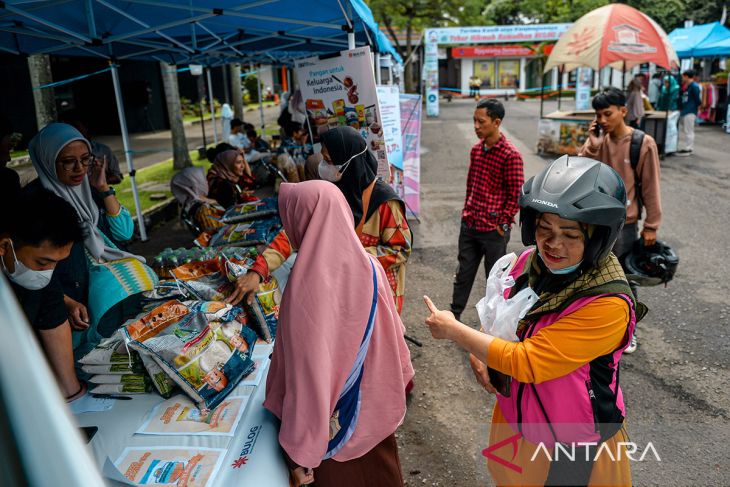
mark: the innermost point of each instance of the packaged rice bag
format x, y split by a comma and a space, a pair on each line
195, 270
251, 233
111, 350
162, 382
251, 210
115, 369
265, 309
120, 379
213, 287
121, 389
206, 349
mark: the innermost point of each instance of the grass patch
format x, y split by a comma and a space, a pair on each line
152, 180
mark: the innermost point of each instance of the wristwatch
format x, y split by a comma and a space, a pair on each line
108, 192
504, 227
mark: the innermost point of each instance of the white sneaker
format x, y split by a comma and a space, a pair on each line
633, 345
683, 153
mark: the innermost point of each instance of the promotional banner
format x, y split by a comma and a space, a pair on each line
583, 89
389, 100
340, 90
191, 467
431, 72
410, 185
179, 416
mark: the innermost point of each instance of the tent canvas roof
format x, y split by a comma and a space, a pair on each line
696, 41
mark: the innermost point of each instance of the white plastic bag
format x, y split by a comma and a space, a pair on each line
499, 316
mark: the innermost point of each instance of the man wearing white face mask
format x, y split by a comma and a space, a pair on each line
34, 237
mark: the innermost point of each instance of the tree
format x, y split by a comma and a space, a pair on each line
180, 155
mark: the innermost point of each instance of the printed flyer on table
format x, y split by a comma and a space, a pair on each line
179, 416
189, 467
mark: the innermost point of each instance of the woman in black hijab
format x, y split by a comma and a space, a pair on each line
378, 213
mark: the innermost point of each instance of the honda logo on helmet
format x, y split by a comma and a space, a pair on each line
546, 203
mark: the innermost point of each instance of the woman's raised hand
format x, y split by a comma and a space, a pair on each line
97, 175
441, 322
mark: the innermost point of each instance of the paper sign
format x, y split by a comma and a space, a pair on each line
339, 91
189, 467
179, 416
389, 100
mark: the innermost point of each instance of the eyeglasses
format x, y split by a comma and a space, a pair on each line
70, 163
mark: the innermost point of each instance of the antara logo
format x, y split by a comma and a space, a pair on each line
253, 435
546, 203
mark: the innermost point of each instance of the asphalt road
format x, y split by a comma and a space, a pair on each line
676, 385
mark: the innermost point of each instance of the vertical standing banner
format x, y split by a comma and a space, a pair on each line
431, 72
340, 90
583, 89
410, 189
389, 101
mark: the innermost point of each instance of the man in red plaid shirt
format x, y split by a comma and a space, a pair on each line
493, 186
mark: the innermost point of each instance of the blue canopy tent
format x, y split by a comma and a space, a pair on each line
192, 32
696, 41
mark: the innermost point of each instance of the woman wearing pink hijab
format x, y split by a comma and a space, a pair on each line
340, 364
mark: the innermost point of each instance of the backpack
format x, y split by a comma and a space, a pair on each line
637, 139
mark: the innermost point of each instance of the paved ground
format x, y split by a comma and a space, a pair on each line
677, 386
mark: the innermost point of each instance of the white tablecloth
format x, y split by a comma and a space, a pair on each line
253, 454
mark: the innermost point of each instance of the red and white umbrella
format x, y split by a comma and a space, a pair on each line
615, 35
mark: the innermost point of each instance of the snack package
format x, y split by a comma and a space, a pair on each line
164, 290
162, 382
120, 379
205, 347
265, 309
247, 234
121, 389
195, 270
252, 210
115, 369
109, 351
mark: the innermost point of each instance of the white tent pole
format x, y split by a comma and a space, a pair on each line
212, 107
351, 39
261, 100
128, 152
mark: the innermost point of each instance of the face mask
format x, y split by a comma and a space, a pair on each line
25, 277
566, 270
332, 173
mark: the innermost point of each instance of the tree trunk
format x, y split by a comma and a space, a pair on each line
236, 91
45, 101
180, 155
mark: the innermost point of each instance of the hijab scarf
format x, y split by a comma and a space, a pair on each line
342, 143
44, 149
321, 326
222, 167
189, 186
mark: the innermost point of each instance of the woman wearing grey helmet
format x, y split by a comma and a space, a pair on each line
562, 374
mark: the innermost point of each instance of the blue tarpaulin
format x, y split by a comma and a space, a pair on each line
196, 31
701, 40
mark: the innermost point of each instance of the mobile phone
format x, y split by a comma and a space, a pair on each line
597, 129
88, 432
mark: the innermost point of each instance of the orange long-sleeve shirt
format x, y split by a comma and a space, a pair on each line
594, 330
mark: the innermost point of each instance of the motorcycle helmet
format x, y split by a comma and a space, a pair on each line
582, 190
650, 266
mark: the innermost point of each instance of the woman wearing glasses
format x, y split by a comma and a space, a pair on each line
102, 283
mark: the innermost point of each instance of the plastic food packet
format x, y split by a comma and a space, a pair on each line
213, 287
500, 316
195, 270
111, 350
252, 210
162, 382
247, 234
206, 350
265, 309
119, 379
121, 389
120, 368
